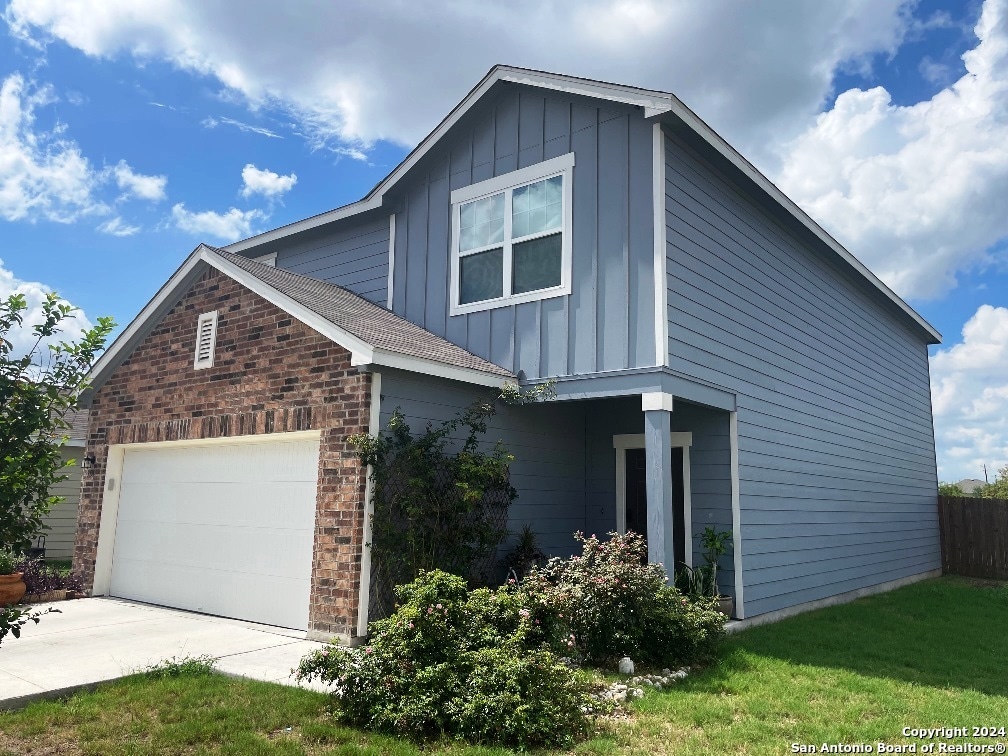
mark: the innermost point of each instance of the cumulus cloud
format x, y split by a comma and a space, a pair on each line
42, 175
228, 226
45, 176
22, 339
265, 182
135, 184
917, 192
969, 386
381, 69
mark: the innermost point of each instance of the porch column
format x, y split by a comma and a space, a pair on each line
658, 456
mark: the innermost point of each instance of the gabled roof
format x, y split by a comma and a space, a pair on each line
661, 106
372, 334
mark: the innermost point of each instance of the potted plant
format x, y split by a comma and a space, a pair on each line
12, 587
715, 545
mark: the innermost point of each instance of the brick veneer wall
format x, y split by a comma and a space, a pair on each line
271, 373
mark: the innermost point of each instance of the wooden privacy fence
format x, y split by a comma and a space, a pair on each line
974, 536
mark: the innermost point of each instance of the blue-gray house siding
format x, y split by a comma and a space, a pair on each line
836, 486
601, 325
836, 449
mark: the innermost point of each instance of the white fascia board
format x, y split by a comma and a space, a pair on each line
138, 323
705, 132
434, 368
653, 102
354, 208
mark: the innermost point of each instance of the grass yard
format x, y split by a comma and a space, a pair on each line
930, 655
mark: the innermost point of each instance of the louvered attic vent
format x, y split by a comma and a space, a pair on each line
206, 339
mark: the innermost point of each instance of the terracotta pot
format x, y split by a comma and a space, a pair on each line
12, 588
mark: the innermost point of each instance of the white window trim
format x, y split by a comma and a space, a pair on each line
684, 441
558, 166
206, 317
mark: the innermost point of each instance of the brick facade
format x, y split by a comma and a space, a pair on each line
271, 374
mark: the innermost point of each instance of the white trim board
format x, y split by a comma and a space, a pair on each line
362, 353
364, 594
655, 104
660, 246
391, 259
624, 441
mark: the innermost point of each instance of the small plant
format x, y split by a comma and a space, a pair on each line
525, 555
8, 561
715, 546
182, 666
40, 577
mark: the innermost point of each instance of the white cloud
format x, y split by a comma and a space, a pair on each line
212, 123
229, 226
265, 182
22, 339
117, 227
917, 192
382, 69
969, 386
135, 184
42, 176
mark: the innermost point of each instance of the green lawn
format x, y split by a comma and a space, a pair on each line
932, 654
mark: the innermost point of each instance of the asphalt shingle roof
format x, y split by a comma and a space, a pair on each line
362, 318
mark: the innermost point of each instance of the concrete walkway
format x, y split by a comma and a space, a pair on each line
98, 639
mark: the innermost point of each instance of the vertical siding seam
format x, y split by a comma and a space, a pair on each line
406, 257
595, 252
567, 299
626, 252
660, 247
736, 513
391, 260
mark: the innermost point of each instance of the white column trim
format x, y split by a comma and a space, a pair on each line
109, 515
736, 515
364, 594
391, 259
624, 441
660, 264
657, 400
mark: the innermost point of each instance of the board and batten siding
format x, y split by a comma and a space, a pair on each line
355, 256
62, 518
836, 447
600, 326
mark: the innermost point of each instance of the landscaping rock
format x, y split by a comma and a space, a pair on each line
626, 666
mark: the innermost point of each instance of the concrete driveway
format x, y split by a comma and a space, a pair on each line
98, 639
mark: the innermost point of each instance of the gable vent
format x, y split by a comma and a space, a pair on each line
206, 340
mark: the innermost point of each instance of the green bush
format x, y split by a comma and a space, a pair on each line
609, 602
453, 663
7, 562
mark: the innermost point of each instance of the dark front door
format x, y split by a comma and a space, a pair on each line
636, 498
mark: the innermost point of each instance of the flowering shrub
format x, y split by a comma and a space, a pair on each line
609, 602
453, 662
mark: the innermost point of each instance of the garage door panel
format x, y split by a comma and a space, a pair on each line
278, 601
223, 528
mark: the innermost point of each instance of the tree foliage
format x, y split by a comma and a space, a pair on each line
37, 390
998, 489
950, 489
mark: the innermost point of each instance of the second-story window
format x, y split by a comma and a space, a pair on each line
511, 237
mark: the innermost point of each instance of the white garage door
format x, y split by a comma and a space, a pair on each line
224, 528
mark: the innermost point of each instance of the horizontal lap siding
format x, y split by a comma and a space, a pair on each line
354, 257
599, 326
547, 442
62, 518
836, 448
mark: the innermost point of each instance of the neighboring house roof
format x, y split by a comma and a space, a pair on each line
969, 485
662, 106
78, 429
372, 334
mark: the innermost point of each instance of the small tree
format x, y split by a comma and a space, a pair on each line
998, 489
37, 390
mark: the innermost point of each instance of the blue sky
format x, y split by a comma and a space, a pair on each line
128, 135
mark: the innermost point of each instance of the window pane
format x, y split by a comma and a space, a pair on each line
536, 207
481, 222
536, 264
481, 276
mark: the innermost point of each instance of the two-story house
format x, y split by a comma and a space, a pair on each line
718, 357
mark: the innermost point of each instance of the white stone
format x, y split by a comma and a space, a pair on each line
626, 666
